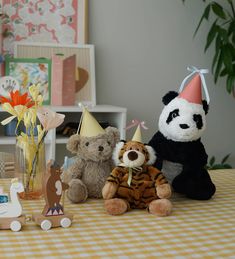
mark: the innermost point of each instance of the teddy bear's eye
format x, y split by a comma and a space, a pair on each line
108, 143
87, 144
130, 148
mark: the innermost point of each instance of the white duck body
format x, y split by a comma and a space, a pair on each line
13, 208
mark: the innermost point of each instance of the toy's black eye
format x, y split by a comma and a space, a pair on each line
198, 119
87, 144
172, 115
108, 143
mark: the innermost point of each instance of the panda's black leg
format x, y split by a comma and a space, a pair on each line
195, 185
179, 183
200, 189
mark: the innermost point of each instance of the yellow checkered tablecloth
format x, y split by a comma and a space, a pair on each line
196, 229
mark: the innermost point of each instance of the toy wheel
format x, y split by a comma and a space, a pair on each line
46, 224
15, 226
65, 222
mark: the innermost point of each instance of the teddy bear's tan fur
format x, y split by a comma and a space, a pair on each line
86, 177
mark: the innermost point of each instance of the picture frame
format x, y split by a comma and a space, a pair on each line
85, 62
28, 71
61, 22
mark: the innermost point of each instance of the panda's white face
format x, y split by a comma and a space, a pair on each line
182, 121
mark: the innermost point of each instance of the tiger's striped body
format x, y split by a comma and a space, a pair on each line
142, 189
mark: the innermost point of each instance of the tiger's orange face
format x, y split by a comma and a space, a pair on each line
133, 154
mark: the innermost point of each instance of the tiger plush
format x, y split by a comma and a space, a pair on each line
134, 183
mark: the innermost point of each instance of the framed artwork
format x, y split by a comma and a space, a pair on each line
55, 21
85, 89
28, 71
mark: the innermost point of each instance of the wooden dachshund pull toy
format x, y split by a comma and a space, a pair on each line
11, 211
53, 213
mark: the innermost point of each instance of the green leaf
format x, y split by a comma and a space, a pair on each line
227, 58
230, 83
211, 35
231, 27
217, 52
217, 166
212, 161
225, 158
223, 73
205, 15
227, 166
218, 67
223, 35
218, 10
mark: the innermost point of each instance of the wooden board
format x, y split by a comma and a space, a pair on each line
55, 220
5, 223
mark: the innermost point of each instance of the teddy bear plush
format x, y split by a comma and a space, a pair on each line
91, 166
135, 183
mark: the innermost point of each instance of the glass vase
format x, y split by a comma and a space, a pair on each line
30, 168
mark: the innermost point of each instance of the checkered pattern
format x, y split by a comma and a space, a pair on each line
196, 229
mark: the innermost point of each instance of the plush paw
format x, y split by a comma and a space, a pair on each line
116, 206
161, 207
164, 191
77, 191
109, 190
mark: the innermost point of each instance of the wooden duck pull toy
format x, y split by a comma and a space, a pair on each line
11, 211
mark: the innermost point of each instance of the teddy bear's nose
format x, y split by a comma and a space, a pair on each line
132, 155
100, 148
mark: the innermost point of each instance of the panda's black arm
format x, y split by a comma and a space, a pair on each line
156, 144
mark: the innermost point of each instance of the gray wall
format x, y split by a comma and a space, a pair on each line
142, 50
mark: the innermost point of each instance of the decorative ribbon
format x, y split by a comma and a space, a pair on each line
201, 73
130, 170
136, 122
129, 176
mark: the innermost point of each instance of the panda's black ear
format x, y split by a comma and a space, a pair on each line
169, 97
205, 106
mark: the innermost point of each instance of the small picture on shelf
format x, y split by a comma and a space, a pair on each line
61, 55
31, 71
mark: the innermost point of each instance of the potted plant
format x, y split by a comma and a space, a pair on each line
222, 35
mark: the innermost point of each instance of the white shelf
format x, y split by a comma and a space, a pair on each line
96, 108
6, 140
113, 115
61, 140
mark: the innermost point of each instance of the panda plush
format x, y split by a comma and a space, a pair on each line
181, 155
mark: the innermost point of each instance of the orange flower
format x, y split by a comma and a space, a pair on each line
17, 99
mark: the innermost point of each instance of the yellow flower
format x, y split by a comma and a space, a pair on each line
27, 119
17, 112
33, 115
34, 91
40, 133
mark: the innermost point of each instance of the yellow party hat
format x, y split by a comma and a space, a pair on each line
89, 125
137, 136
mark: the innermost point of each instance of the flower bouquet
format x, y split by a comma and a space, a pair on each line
36, 120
